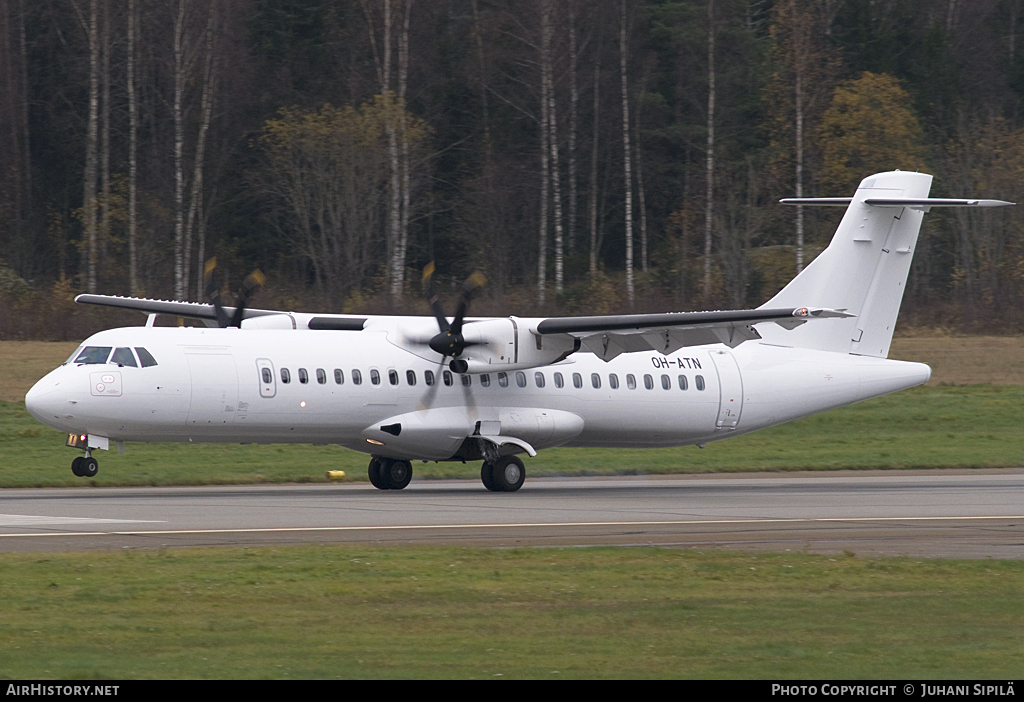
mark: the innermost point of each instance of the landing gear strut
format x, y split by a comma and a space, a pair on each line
389, 473
503, 475
85, 466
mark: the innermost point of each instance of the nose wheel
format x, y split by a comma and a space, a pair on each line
85, 466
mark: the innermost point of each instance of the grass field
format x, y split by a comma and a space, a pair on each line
357, 612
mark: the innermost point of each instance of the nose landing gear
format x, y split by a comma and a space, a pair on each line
85, 466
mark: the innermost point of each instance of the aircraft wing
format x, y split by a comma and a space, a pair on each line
609, 336
193, 310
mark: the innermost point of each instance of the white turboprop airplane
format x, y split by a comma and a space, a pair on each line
490, 388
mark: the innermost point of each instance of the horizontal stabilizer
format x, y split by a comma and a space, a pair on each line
920, 203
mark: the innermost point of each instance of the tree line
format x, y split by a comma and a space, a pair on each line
585, 155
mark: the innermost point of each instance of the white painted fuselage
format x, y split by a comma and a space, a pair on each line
228, 385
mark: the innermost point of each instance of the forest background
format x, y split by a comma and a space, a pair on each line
588, 156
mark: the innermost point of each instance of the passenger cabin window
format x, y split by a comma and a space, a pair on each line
577, 380
428, 377
666, 383
503, 379
321, 376
699, 382
467, 380
648, 382
595, 380
94, 354
339, 377
375, 376
393, 376
303, 376
357, 377
538, 378
268, 377
485, 380
683, 384
559, 381
447, 376
124, 357
521, 379
286, 376
631, 381
613, 381
410, 377
145, 357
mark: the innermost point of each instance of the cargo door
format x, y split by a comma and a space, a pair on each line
730, 387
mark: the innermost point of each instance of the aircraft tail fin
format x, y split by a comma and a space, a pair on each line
863, 271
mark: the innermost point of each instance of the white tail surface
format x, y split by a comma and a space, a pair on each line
863, 271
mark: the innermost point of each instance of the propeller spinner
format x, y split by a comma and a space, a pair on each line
449, 341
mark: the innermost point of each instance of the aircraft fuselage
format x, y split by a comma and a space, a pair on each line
362, 391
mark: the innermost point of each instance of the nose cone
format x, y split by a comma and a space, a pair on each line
47, 401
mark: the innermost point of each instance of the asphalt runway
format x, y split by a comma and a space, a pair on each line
961, 514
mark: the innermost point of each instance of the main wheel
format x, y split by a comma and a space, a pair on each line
508, 474
89, 467
76, 466
374, 473
487, 476
398, 474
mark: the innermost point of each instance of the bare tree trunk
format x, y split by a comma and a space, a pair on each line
593, 167
104, 234
552, 127
710, 167
89, 187
180, 281
627, 157
403, 79
574, 99
798, 67
542, 257
206, 106
25, 131
133, 129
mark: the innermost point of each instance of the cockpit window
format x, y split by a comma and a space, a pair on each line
73, 356
94, 354
124, 357
145, 357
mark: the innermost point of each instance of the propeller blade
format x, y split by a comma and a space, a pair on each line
213, 293
469, 288
430, 292
253, 282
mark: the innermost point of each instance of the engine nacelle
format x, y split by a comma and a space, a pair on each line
511, 344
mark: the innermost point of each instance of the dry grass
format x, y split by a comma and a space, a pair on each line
22, 363
965, 360
955, 360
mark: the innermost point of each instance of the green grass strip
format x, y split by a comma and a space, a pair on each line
938, 427
362, 612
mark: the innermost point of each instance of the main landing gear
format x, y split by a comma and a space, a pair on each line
389, 473
85, 466
503, 475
